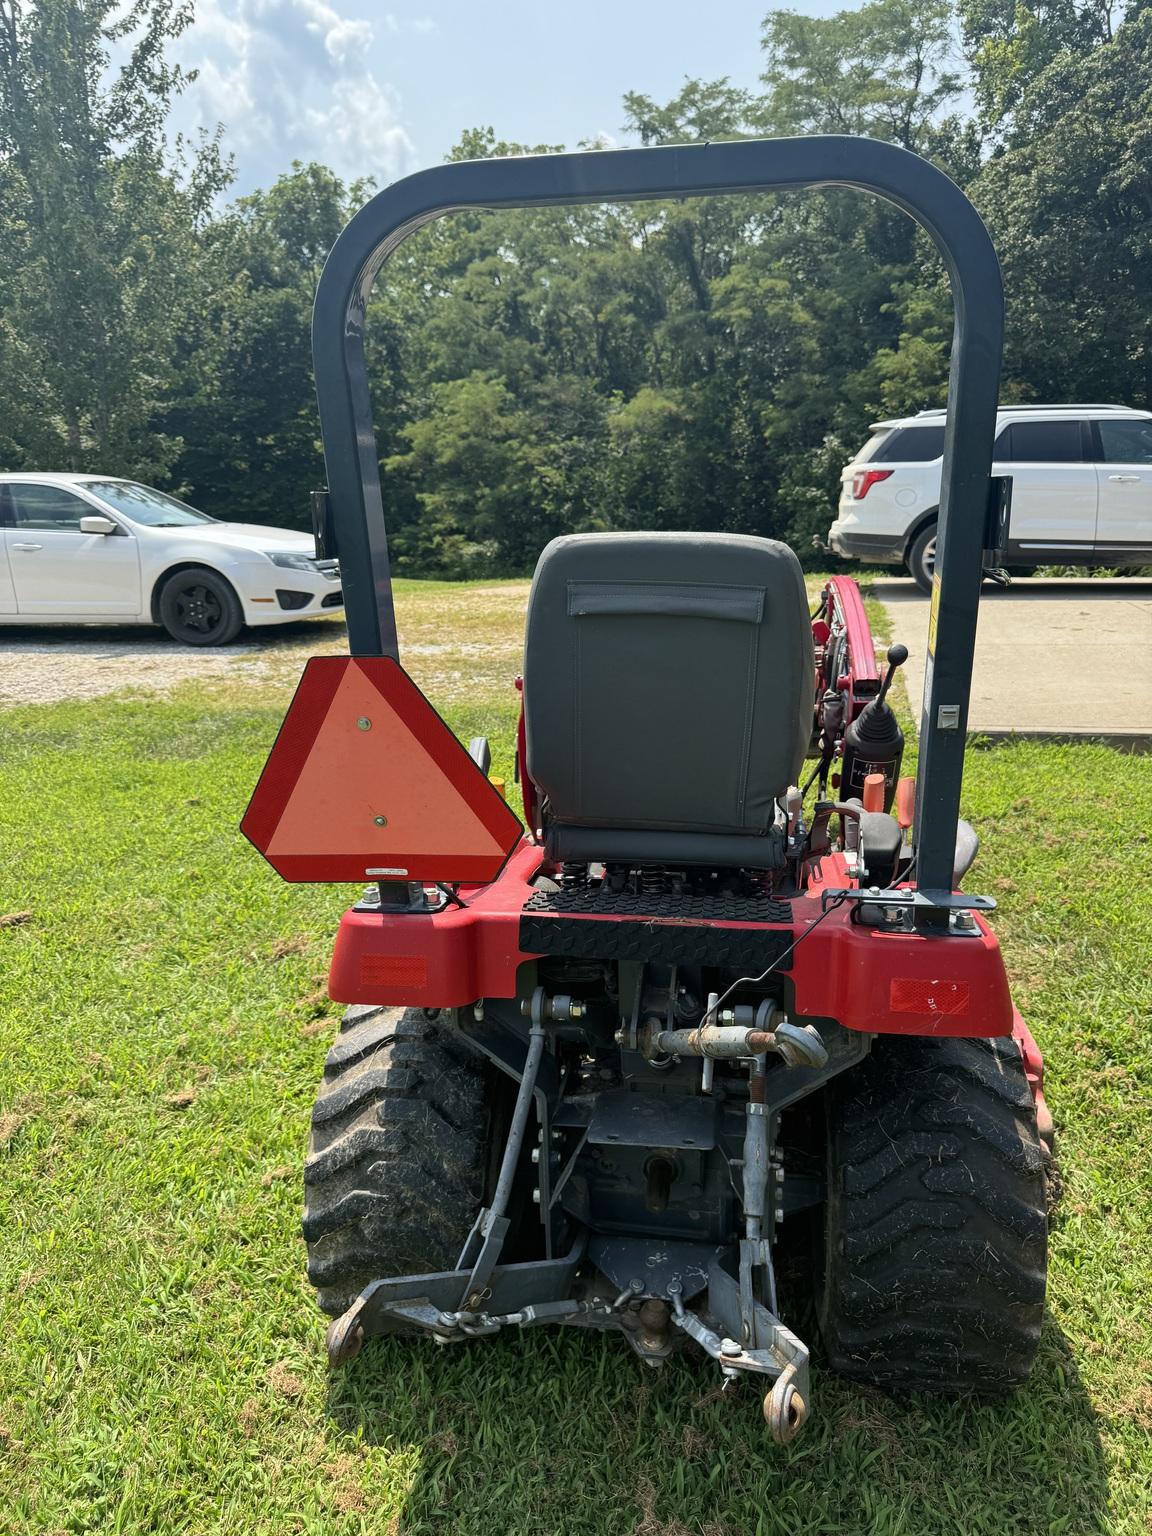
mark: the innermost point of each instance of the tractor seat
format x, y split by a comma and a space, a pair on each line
668, 685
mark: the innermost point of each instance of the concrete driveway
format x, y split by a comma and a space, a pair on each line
1059, 656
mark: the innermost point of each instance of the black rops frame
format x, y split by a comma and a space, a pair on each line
677, 171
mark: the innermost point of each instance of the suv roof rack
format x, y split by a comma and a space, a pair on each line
1031, 405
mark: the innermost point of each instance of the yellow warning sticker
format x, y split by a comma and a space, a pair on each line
932, 614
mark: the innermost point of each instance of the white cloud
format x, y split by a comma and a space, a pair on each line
417, 24
294, 80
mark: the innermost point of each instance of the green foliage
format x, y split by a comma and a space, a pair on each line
245, 408
1011, 42
102, 229
882, 70
1070, 200
702, 364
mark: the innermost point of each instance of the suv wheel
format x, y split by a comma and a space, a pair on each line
921, 557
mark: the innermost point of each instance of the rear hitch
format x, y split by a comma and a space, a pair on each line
735, 1320
777, 1352
421, 1302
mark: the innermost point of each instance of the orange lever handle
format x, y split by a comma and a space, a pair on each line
905, 802
873, 795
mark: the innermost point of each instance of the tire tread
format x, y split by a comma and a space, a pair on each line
935, 1248
397, 1153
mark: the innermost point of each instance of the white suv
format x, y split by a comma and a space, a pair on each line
1081, 488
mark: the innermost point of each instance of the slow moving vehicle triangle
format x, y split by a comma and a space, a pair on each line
366, 782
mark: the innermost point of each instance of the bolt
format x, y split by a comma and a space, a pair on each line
364, 724
576, 1010
478, 1011
535, 1157
380, 821
730, 1348
536, 1195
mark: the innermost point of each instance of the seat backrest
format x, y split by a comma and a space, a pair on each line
668, 686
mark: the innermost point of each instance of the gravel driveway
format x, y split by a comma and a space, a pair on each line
40, 664
456, 641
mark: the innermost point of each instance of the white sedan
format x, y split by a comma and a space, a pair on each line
91, 548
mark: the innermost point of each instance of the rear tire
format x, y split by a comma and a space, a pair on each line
921, 557
936, 1222
397, 1157
198, 607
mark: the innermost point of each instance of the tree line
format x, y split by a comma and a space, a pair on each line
707, 364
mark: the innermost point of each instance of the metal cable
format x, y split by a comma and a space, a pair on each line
742, 981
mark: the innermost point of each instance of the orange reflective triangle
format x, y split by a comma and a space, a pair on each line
365, 781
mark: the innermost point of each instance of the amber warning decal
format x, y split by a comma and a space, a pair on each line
933, 613
365, 781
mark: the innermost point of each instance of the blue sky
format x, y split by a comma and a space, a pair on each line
381, 92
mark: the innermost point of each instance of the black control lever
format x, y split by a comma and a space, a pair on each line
874, 742
897, 656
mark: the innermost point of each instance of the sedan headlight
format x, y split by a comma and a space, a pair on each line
293, 562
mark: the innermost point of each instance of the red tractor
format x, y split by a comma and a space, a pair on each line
595, 1061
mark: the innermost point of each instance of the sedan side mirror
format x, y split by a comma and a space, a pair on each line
97, 524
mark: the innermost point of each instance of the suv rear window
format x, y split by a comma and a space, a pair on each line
1042, 442
911, 445
1126, 442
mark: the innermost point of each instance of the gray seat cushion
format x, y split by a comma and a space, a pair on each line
668, 684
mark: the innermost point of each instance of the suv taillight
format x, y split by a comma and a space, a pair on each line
864, 479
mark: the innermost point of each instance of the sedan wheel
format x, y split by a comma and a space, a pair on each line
200, 608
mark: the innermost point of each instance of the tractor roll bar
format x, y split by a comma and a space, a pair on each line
676, 171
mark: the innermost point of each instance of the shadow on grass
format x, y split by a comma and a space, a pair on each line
565, 1432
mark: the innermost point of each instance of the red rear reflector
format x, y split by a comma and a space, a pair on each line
366, 782
908, 994
393, 971
864, 479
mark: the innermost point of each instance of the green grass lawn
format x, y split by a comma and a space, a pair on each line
163, 1021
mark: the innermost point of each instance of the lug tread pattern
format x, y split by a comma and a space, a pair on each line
394, 1173
935, 1248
